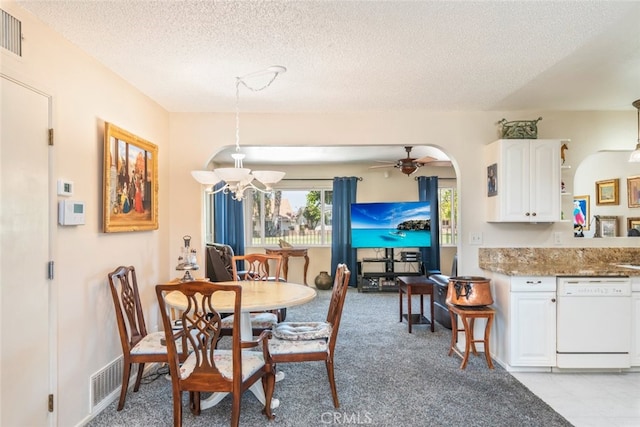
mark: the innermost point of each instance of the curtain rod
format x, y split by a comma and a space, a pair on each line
314, 179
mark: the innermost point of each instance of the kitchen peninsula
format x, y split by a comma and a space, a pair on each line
555, 307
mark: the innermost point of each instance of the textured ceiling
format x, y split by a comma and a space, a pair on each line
362, 56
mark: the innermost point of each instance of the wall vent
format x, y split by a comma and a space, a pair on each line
11, 33
104, 383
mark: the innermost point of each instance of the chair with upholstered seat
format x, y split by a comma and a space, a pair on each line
313, 341
207, 368
138, 346
256, 267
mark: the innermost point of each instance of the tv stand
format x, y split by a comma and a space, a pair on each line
385, 280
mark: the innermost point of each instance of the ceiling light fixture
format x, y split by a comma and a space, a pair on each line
238, 178
635, 155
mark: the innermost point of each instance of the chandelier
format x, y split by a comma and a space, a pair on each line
238, 179
635, 155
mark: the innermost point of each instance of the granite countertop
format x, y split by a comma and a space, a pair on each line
564, 269
560, 261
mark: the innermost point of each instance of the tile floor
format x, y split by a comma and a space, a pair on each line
589, 399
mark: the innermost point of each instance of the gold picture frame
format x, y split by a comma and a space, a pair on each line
633, 223
633, 191
130, 182
607, 192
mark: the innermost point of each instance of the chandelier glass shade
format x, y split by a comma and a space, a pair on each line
238, 179
635, 155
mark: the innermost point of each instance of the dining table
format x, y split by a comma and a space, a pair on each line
256, 296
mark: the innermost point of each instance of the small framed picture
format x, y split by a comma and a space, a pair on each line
492, 180
607, 192
633, 191
581, 212
633, 224
608, 226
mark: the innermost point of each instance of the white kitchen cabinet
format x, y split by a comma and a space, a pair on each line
524, 333
523, 180
533, 332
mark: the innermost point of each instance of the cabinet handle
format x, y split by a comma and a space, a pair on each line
532, 282
553, 300
533, 214
527, 214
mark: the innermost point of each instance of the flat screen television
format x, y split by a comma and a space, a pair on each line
391, 225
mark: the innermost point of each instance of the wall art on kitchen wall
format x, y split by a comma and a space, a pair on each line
633, 191
130, 182
492, 180
607, 192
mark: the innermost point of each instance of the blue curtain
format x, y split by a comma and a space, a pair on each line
228, 221
344, 193
428, 192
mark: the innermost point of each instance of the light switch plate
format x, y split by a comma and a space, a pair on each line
475, 238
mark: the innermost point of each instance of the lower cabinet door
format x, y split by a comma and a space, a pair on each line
533, 329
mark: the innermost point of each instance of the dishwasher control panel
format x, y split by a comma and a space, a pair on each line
591, 286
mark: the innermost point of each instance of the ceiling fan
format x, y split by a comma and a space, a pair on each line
409, 164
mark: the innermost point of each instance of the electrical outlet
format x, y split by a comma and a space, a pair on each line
557, 238
475, 238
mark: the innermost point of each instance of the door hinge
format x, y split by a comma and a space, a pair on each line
51, 136
51, 403
50, 270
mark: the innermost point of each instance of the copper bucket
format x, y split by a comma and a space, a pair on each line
470, 291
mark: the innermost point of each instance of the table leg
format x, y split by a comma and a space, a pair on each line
400, 295
285, 267
468, 335
431, 309
487, 333
306, 267
409, 307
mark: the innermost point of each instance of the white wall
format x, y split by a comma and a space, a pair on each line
86, 95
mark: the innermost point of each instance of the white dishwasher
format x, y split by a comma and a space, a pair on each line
593, 322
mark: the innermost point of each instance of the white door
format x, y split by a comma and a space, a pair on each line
24, 253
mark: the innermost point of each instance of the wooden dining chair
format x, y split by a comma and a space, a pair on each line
138, 346
207, 368
257, 268
313, 341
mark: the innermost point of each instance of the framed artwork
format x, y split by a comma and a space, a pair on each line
492, 180
608, 226
633, 191
633, 224
607, 192
581, 212
130, 182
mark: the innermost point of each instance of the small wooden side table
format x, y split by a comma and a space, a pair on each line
290, 252
468, 315
418, 285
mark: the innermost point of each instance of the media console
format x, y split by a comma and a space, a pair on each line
383, 278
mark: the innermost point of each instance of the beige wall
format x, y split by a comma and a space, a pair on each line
86, 95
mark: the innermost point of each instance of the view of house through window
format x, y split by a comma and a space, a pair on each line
301, 217
448, 204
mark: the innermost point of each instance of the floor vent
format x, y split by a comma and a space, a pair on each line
11, 33
105, 382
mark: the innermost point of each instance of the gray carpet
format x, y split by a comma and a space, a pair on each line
385, 377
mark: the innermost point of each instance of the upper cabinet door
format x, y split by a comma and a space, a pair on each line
526, 180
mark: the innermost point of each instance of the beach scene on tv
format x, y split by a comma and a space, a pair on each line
391, 225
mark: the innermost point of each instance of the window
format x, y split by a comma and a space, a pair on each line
448, 205
302, 217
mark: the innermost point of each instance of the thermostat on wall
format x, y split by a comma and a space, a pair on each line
70, 212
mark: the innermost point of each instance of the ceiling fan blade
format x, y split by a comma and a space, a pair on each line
442, 163
390, 165
426, 159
